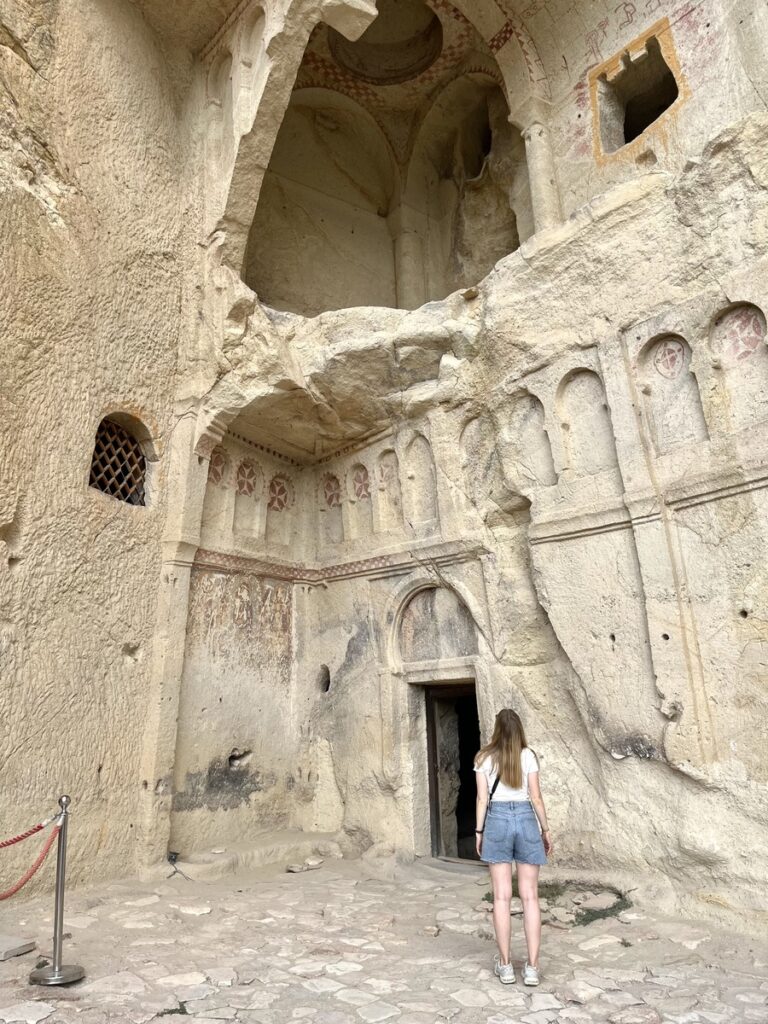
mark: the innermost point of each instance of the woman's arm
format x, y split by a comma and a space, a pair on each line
534, 792
481, 806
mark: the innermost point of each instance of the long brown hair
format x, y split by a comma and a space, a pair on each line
504, 750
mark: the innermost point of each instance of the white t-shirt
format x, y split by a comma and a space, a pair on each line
503, 792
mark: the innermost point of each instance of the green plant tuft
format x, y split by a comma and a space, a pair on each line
584, 917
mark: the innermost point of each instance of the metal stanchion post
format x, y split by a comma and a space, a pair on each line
55, 973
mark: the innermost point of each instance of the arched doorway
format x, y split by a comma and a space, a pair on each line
438, 647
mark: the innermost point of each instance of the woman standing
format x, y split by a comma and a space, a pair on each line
507, 830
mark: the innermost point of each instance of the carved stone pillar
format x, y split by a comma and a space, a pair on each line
407, 229
532, 118
186, 479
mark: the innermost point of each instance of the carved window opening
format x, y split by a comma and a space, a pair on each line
635, 97
118, 465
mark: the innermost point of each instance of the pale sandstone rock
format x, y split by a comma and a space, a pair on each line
222, 977
542, 343
79, 921
544, 1001
540, 1017
601, 901
14, 945
179, 980
354, 996
192, 909
375, 1012
116, 985
562, 915
469, 997
636, 1015
581, 991
599, 942
27, 1013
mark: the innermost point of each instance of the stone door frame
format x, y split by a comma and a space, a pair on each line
423, 681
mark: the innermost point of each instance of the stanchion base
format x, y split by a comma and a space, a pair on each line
64, 976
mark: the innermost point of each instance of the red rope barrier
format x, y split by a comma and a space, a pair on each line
24, 835
30, 832
35, 867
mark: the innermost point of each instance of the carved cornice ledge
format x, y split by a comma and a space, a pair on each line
393, 564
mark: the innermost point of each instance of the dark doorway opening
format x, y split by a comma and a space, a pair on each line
453, 739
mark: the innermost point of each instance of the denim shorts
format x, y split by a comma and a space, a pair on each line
512, 834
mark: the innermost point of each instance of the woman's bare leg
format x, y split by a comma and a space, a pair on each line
528, 887
501, 880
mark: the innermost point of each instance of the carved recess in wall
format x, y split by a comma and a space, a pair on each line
361, 505
585, 565
436, 625
218, 466
585, 420
387, 140
524, 445
249, 483
331, 515
280, 502
738, 344
672, 400
390, 495
239, 504
421, 487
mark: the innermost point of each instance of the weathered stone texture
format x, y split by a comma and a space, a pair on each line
537, 465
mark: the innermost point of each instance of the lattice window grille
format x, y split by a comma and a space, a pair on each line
118, 467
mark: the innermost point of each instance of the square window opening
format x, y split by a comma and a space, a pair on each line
635, 97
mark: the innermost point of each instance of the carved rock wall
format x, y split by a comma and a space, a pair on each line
91, 281
575, 447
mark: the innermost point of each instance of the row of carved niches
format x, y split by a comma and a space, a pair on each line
558, 428
716, 389
388, 490
521, 447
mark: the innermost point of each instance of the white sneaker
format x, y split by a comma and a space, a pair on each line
530, 975
504, 972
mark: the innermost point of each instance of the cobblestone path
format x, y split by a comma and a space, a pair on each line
335, 946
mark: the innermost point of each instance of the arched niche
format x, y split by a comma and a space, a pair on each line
361, 505
320, 238
466, 201
216, 519
586, 423
477, 450
421, 490
220, 107
484, 486
331, 517
738, 344
249, 484
390, 495
281, 501
672, 400
436, 625
525, 443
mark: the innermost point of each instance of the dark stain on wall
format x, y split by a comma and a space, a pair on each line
220, 788
636, 746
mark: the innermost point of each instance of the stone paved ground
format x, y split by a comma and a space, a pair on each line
337, 946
